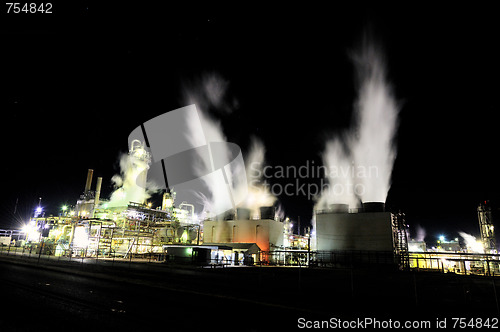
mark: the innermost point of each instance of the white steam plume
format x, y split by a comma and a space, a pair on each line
339, 176
472, 244
210, 94
376, 115
420, 234
126, 188
210, 91
258, 192
360, 166
212, 132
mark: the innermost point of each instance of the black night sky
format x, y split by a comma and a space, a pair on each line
76, 83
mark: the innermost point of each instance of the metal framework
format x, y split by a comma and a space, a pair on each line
400, 240
486, 228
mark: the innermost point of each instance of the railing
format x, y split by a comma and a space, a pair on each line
459, 263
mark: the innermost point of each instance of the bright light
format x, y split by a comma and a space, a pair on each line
184, 236
81, 238
31, 231
441, 238
168, 202
57, 233
64, 207
472, 244
38, 209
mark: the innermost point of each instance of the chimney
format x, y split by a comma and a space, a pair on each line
89, 181
97, 191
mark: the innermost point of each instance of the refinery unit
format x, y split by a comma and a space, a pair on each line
106, 228
472, 257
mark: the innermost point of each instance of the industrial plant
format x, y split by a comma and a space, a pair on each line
349, 228
115, 229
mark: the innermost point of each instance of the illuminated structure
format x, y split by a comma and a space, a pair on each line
128, 226
89, 199
486, 228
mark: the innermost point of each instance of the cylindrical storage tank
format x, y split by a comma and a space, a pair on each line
338, 208
267, 212
373, 207
243, 213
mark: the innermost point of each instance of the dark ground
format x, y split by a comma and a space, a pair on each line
75, 296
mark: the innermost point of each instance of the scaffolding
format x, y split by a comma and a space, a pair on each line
486, 228
400, 240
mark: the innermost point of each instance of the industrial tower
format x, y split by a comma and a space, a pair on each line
486, 228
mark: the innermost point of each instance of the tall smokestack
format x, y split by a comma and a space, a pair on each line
89, 181
97, 194
97, 191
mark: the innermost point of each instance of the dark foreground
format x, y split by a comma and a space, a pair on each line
90, 297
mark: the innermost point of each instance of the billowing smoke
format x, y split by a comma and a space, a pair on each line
341, 186
128, 185
472, 244
258, 192
212, 132
210, 93
376, 116
359, 166
420, 234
